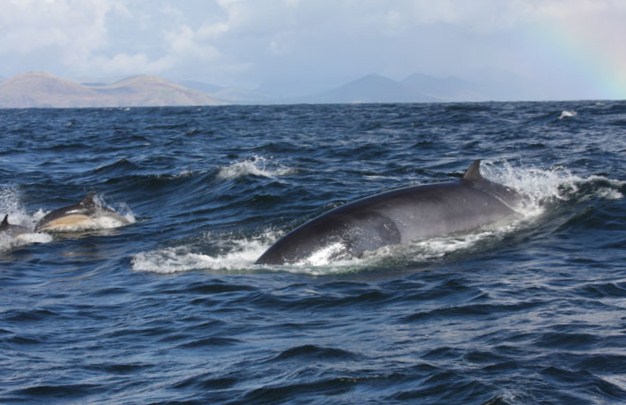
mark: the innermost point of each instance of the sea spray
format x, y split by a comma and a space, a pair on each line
235, 253
253, 166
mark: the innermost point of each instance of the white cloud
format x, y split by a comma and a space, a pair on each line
250, 41
69, 30
26, 26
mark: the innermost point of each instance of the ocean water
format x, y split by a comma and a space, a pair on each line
172, 309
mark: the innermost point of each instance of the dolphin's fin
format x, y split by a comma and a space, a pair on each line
473, 172
5, 222
89, 201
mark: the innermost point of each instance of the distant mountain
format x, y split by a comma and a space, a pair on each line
371, 89
413, 89
152, 91
502, 85
200, 86
230, 95
488, 85
444, 89
39, 89
242, 96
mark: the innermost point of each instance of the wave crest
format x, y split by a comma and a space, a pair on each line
240, 254
253, 166
541, 187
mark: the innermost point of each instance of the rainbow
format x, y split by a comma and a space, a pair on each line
591, 52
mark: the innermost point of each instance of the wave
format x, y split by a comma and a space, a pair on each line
119, 167
542, 186
253, 166
567, 114
8, 242
235, 253
121, 209
544, 190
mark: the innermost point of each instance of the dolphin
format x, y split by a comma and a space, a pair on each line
398, 217
12, 230
88, 214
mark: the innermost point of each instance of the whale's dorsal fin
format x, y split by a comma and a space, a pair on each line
89, 201
473, 172
5, 222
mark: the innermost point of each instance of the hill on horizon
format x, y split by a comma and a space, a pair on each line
372, 89
420, 88
44, 90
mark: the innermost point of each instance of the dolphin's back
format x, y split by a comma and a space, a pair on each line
12, 230
81, 216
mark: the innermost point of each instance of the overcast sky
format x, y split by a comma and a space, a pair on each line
573, 48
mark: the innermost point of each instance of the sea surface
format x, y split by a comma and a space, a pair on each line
172, 309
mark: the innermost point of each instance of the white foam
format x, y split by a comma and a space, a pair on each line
538, 187
8, 242
240, 254
567, 114
184, 173
542, 186
10, 204
440, 246
326, 261
610, 192
122, 215
253, 166
325, 255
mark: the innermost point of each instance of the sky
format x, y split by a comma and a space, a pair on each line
563, 49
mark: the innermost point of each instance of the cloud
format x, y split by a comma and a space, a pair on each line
27, 26
69, 30
169, 40
307, 41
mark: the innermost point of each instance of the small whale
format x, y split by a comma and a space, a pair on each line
397, 217
12, 230
89, 214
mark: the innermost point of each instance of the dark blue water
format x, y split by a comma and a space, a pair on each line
171, 308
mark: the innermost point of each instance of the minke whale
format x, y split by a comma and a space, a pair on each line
398, 217
88, 214
12, 230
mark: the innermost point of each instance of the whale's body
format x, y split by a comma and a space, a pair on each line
397, 217
86, 215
